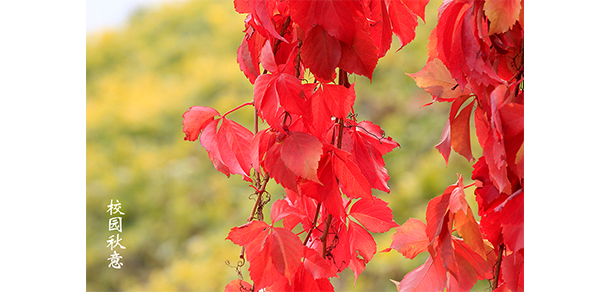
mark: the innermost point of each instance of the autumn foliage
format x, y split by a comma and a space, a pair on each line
475, 57
328, 162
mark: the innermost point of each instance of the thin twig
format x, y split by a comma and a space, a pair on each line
496, 278
323, 238
313, 225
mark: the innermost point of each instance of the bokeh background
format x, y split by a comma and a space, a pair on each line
143, 75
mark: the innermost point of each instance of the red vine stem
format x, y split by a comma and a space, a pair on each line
313, 224
238, 107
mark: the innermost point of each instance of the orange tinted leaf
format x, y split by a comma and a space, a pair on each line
436, 80
470, 231
502, 14
410, 239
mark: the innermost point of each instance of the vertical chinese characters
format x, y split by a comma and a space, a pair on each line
114, 241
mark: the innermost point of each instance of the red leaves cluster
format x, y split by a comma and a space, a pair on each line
351, 35
326, 161
475, 58
455, 263
280, 262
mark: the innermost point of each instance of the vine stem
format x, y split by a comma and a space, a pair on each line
238, 107
496, 278
313, 225
323, 238
342, 81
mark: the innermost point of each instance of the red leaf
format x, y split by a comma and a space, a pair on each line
482, 266
410, 239
266, 100
430, 276
238, 286
369, 145
234, 143
460, 128
318, 118
261, 143
321, 53
304, 281
435, 213
209, 140
248, 54
361, 242
316, 265
361, 55
374, 215
513, 128
495, 156
512, 271
261, 9
335, 16
381, 29
267, 58
403, 14
353, 183
282, 209
276, 168
290, 93
301, 153
362, 246
327, 191
286, 251
246, 233
195, 119
444, 147
263, 271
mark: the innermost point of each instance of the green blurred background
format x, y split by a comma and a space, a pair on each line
178, 209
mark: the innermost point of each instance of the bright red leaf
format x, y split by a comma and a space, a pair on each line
321, 53
286, 251
234, 143
359, 56
403, 14
430, 276
301, 153
195, 119
353, 183
362, 246
316, 265
374, 215
246, 233
444, 146
369, 145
